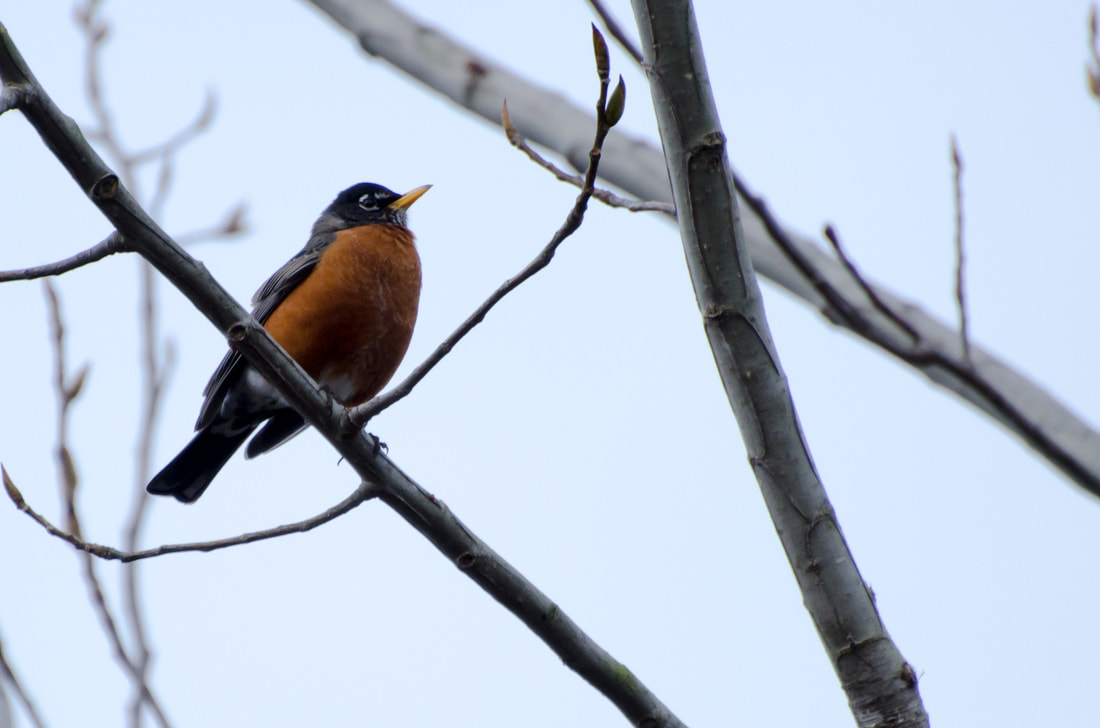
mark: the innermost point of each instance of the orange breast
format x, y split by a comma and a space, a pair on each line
349, 323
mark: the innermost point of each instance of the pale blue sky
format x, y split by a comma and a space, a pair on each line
581, 430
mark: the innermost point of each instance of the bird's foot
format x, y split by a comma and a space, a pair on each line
379, 446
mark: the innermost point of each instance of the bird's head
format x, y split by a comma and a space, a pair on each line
367, 203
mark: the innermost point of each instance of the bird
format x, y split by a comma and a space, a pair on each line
344, 308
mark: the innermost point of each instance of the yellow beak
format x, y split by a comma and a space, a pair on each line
408, 198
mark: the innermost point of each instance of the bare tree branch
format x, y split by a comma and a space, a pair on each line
918, 351
183, 137
68, 389
110, 245
608, 198
426, 513
155, 372
362, 414
870, 667
95, 33
634, 164
234, 223
960, 253
840, 302
156, 364
10, 98
1092, 68
8, 675
109, 553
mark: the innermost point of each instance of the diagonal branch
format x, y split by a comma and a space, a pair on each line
426, 513
362, 414
871, 669
915, 350
110, 245
634, 164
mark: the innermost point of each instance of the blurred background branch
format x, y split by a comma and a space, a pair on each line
1092, 68
67, 389
157, 353
10, 681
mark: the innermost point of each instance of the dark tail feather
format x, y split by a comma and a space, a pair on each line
277, 430
188, 475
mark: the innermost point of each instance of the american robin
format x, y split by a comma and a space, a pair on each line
343, 308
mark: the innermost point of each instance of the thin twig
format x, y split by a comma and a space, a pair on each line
182, 137
616, 31
68, 389
851, 314
916, 354
154, 373
1092, 69
110, 245
960, 254
359, 416
233, 223
156, 368
387, 32
363, 493
95, 33
605, 196
8, 673
865, 285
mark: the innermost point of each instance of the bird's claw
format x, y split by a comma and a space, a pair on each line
379, 446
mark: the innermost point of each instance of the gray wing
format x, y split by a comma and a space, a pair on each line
273, 292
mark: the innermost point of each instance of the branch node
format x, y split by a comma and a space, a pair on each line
715, 311
238, 332
105, 188
13, 96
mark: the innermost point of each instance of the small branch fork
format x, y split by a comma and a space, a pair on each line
424, 512
359, 416
914, 352
607, 115
851, 314
157, 364
608, 198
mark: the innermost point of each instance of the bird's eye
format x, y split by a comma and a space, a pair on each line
367, 202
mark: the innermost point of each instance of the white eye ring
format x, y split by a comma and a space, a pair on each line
367, 202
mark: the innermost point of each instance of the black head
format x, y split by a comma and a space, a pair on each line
367, 203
